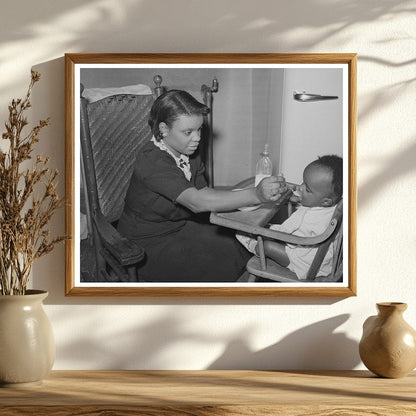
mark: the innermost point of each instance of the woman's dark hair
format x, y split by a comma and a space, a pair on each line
170, 106
333, 164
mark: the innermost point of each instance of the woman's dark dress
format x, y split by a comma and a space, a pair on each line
180, 246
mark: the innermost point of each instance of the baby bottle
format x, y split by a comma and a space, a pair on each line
264, 166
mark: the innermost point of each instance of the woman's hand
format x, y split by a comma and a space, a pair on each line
208, 199
269, 189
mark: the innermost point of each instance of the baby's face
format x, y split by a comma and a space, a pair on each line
316, 187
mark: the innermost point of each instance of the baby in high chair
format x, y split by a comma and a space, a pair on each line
318, 196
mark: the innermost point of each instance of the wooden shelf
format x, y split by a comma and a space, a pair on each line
208, 393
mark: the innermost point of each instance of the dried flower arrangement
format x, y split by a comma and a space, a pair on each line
28, 200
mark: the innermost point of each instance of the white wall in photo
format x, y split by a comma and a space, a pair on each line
311, 129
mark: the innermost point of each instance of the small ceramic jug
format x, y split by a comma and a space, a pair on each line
27, 346
388, 345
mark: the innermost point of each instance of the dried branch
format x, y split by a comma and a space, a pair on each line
24, 217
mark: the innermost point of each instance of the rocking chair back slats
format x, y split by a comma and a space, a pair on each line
113, 130
118, 130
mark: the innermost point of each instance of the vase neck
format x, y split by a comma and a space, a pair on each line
389, 308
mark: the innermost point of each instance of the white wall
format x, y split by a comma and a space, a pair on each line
311, 129
199, 333
267, 100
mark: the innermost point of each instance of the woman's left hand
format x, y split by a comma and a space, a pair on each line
268, 189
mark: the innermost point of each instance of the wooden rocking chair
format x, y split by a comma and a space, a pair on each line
113, 131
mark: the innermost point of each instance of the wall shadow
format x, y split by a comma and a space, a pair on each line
250, 20
314, 347
139, 347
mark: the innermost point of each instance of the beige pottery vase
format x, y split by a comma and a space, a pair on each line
27, 347
388, 345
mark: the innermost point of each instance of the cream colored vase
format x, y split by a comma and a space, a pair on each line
388, 345
27, 347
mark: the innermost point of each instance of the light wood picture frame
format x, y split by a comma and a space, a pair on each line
112, 72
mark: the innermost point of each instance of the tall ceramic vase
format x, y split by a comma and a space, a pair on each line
27, 347
388, 345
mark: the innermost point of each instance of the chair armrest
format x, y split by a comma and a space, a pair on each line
127, 252
294, 239
273, 234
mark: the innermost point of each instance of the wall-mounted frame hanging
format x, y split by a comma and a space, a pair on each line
161, 153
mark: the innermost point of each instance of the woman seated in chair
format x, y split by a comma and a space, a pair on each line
318, 196
168, 196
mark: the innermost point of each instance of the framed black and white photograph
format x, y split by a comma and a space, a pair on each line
211, 174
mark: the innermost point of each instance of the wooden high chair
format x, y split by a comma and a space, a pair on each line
254, 222
262, 267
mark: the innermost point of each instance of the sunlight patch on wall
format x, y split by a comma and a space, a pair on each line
41, 42
258, 24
